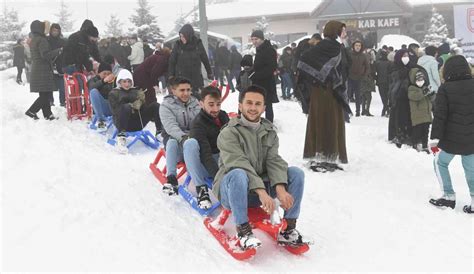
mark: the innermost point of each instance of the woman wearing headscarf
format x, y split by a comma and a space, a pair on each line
323, 73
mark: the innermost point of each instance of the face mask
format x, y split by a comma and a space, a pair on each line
405, 60
420, 83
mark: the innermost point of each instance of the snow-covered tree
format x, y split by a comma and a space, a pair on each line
10, 25
195, 19
145, 22
64, 17
262, 25
437, 32
114, 27
178, 24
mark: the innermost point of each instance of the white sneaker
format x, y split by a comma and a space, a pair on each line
101, 126
122, 145
249, 241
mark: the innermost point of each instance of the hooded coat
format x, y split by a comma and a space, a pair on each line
453, 122
19, 55
420, 105
42, 78
79, 49
264, 66
137, 55
185, 60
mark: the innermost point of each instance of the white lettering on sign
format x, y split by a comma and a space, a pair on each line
379, 23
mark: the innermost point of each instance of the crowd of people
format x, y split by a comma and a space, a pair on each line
241, 154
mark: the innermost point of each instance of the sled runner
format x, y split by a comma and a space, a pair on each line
258, 219
144, 136
160, 172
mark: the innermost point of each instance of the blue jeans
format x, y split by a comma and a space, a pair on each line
192, 158
174, 155
286, 84
100, 105
236, 197
441, 164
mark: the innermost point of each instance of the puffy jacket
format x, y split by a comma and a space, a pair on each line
137, 55
420, 105
177, 116
430, 64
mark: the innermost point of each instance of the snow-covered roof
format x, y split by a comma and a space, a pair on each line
246, 8
396, 41
436, 2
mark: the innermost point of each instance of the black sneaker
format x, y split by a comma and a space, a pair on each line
441, 202
246, 237
204, 201
171, 186
51, 117
291, 237
32, 115
467, 209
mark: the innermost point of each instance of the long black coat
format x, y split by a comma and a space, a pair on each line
206, 131
264, 66
19, 56
453, 122
400, 115
185, 60
41, 56
56, 43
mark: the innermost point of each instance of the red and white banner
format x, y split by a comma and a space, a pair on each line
464, 27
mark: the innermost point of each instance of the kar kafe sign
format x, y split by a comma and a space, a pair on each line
374, 23
464, 27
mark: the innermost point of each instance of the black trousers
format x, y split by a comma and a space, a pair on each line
269, 112
383, 90
420, 134
19, 72
129, 120
42, 103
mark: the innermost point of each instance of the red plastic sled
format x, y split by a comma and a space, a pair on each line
160, 173
258, 219
78, 103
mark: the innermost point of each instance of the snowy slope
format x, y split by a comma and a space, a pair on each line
71, 203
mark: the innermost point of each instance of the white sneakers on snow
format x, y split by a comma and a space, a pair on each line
121, 145
249, 241
101, 127
203, 199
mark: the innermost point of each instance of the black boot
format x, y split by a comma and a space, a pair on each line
31, 115
171, 186
204, 201
442, 202
467, 209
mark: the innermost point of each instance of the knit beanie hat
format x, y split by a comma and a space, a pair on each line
258, 33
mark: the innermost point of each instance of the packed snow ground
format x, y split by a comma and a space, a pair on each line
71, 203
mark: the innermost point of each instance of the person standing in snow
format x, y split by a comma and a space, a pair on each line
56, 41
177, 112
200, 151
186, 57
137, 55
264, 67
359, 70
284, 66
19, 59
419, 94
252, 173
382, 66
429, 63
128, 109
222, 61
42, 78
234, 66
399, 125
321, 70
147, 75
453, 125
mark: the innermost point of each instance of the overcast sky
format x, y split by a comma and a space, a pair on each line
99, 11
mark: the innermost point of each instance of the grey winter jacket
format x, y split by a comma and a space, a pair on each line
430, 64
177, 116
